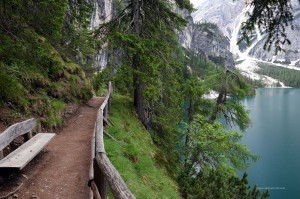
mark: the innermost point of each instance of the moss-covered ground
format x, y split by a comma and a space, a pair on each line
134, 154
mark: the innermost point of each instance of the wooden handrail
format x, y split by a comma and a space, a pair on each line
106, 168
108, 96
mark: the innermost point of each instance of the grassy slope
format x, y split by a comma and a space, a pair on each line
134, 155
36, 80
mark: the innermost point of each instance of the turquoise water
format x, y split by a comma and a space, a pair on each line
275, 136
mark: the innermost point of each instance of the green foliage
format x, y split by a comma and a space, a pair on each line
162, 78
235, 114
254, 83
194, 90
11, 90
200, 66
230, 84
212, 155
77, 40
206, 145
212, 184
231, 81
135, 156
288, 76
99, 85
35, 79
148, 47
271, 17
153, 62
45, 16
210, 144
54, 109
185, 4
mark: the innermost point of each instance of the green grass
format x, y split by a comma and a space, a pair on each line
135, 156
36, 80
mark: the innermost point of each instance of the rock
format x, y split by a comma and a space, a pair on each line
34, 197
103, 11
15, 195
206, 39
223, 13
227, 15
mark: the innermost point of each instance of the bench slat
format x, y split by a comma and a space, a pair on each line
16, 130
26, 152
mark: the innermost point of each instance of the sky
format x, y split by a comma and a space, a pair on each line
196, 2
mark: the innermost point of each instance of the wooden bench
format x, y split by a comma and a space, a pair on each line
20, 157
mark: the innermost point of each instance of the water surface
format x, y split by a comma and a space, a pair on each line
275, 136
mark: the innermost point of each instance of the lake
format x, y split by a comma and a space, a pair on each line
274, 135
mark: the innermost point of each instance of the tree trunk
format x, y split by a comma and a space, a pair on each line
221, 100
138, 99
135, 14
190, 110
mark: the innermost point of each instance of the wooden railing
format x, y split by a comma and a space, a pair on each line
102, 172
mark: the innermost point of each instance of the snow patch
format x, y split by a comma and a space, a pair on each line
211, 95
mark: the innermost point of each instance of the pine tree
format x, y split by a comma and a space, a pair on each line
149, 45
271, 17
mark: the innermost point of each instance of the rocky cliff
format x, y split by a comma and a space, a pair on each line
203, 38
206, 39
102, 13
223, 13
229, 15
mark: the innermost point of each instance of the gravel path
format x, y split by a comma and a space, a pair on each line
61, 170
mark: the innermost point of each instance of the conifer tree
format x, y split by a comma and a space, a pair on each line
272, 18
147, 45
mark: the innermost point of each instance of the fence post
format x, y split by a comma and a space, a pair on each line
103, 188
109, 100
105, 174
95, 191
100, 181
105, 113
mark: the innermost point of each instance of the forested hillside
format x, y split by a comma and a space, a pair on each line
47, 51
167, 85
38, 75
289, 77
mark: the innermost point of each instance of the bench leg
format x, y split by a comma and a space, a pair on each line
1, 154
28, 136
1, 157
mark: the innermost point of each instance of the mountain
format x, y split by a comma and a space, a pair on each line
229, 15
206, 39
223, 13
102, 13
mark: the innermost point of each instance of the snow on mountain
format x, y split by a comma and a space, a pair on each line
206, 39
228, 16
220, 12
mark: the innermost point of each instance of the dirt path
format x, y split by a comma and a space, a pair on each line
61, 170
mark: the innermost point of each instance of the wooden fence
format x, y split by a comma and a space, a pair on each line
102, 172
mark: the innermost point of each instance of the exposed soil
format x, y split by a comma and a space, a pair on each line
61, 170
